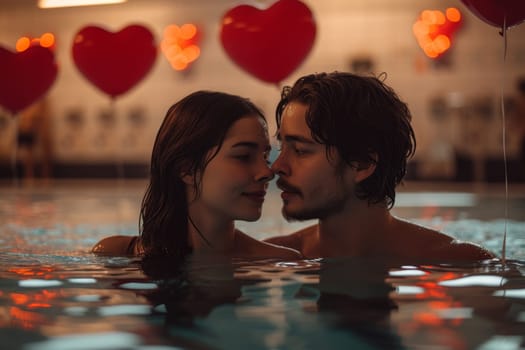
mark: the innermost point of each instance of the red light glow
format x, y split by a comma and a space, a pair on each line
45, 40
434, 30
180, 45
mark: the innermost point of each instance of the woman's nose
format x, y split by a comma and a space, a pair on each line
267, 177
266, 174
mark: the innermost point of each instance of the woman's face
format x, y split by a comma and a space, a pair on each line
234, 183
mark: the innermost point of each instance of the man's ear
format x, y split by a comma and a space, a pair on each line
365, 169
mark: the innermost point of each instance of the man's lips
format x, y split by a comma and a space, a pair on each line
287, 188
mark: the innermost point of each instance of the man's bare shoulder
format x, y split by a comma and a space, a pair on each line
419, 241
114, 245
296, 240
464, 251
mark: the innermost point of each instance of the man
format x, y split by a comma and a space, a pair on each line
345, 140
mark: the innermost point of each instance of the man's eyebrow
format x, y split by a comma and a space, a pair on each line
249, 144
298, 138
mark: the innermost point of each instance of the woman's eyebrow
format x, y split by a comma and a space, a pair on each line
245, 144
249, 144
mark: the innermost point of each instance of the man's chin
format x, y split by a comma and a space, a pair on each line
291, 216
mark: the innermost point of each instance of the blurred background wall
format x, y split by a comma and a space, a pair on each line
455, 100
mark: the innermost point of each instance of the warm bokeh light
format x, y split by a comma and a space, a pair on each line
22, 315
434, 30
188, 31
180, 45
45, 4
23, 44
453, 14
440, 44
45, 40
19, 298
25, 319
192, 52
178, 63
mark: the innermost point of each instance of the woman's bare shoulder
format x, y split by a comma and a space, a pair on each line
277, 251
115, 245
296, 240
248, 246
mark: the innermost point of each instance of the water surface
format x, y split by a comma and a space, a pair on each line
55, 295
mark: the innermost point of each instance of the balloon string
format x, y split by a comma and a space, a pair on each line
504, 142
14, 154
118, 156
119, 165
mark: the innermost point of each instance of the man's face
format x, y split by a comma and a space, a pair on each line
313, 186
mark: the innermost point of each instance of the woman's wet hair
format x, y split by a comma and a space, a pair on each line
364, 120
191, 128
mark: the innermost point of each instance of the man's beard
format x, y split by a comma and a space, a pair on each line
330, 206
321, 211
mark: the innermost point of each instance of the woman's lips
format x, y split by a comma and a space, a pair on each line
257, 196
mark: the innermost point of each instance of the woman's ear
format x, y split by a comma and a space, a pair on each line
191, 186
187, 178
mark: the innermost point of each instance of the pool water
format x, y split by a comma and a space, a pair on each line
55, 295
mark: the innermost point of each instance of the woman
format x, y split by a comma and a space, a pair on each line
208, 168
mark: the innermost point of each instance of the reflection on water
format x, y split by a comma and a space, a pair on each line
328, 304
55, 295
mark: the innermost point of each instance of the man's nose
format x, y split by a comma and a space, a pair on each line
279, 166
266, 174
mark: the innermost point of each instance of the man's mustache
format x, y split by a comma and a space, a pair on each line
285, 186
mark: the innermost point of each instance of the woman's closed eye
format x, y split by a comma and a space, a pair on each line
244, 157
249, 158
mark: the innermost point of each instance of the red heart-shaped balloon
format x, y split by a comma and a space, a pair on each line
269, 44
114, 62
25, 76
498, 12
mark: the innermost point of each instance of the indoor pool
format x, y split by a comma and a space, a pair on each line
55, 295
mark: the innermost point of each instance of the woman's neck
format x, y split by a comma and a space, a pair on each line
208, 234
